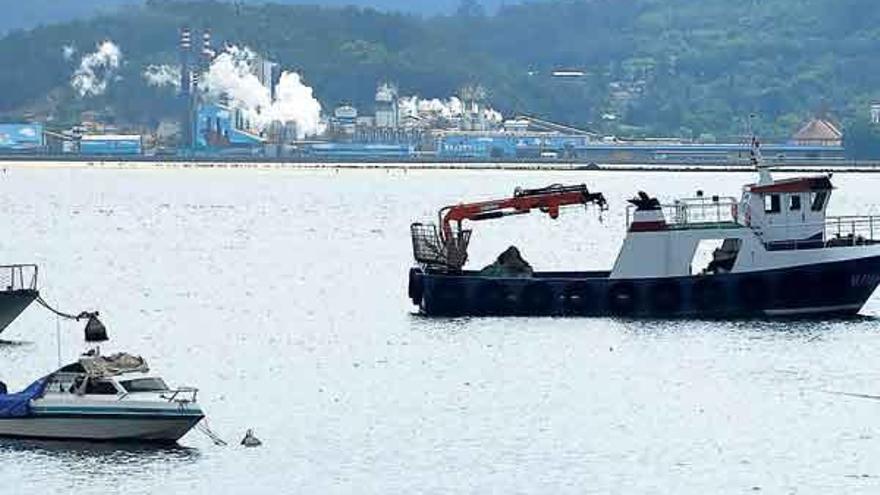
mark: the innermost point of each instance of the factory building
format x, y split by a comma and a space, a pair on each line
21, 138
343, 125
110, 144
216, 131
387, 107
818, 132
506, 145
360, 151
706, 154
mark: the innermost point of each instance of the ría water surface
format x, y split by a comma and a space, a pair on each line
282, 296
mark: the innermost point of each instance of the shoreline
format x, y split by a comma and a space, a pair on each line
152, 163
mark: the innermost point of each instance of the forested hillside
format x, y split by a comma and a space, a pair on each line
670, 67
32, 13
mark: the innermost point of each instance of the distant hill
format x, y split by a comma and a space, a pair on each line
32, 13
667, 67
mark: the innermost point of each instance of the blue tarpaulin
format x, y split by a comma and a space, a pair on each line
18, 405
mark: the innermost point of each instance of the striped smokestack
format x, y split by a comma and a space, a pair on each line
207, 51
185, 51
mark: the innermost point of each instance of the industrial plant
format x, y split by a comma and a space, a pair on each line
235, 103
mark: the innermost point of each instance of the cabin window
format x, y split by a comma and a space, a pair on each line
794, 202
819, 199
100, 387
144, 385
772, 203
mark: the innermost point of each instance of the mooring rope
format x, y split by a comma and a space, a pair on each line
81, 316
852, 394
204, 428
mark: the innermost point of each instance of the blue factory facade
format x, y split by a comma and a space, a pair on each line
507, 145
111, 145
354, 151
216, 130
524, 146
21, 138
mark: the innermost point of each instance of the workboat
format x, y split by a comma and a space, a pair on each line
18, 289
100, 398
774, 252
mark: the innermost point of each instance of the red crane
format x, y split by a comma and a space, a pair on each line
547, 199
450, 249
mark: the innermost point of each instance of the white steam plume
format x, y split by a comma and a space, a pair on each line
231, 77
453, 107
295, 102
162, 75
96, 70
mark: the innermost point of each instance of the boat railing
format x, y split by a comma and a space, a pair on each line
837, 231
431, 250
182, 395
18, 277
693, 212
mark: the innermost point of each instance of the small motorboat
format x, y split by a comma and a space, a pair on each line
100, 398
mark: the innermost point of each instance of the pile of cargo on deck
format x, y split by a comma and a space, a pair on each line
510, 263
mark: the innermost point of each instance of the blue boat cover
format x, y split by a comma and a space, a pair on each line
19, 405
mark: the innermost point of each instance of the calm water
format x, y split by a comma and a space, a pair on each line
281, 294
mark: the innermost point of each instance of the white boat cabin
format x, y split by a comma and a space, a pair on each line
775, 224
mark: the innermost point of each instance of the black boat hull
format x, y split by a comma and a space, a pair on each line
12, 303
819, 290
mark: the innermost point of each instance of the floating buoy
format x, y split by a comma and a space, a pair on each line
95, 330
250, 440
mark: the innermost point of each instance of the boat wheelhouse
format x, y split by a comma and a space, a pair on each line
773, 252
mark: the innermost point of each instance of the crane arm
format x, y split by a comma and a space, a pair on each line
548, 200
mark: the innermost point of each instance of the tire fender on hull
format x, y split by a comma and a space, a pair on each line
577, 299
536, 299
494, 298
665, 297
622, 298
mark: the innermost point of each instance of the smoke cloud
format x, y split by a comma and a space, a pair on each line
231, 77
295, 102
453, 107
96, 70
162, 76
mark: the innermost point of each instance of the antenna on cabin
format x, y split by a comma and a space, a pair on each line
757, 159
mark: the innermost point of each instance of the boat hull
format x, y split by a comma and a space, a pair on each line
12, 303
811, 291
103, 428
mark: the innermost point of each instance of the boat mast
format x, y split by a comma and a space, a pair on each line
764, 176
763, 168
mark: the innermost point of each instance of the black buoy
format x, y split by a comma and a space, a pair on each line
95, 330
250, 440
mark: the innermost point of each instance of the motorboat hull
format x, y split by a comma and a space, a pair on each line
813, 291
100, 427
13, 303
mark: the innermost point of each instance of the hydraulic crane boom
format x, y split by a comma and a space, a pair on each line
547, 199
